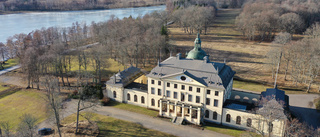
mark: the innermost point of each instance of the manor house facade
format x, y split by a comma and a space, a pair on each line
192, 89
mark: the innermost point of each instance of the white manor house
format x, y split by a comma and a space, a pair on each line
192, 89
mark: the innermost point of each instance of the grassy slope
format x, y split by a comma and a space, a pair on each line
22, 102
10, 63
109, 126
247, 58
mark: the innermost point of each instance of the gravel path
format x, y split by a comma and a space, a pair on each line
9, 69
146, 121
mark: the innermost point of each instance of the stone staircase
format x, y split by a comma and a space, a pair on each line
177, 120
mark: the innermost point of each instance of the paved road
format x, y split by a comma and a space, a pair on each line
9, 69
146, 121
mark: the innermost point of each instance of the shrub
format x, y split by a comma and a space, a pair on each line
317, 103
105, 101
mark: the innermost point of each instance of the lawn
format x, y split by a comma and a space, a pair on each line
250, 86
13, 106
109, 126
224, 130
4, 87
134, 108
11, 62
110, 66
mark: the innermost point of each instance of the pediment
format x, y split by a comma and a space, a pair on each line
183, 77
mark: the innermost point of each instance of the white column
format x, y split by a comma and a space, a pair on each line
160, 111
198, 116
168, 107
190, 114
175, 108
182, 113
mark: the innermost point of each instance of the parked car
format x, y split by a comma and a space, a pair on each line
45, 131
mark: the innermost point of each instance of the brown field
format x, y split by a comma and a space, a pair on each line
247, 58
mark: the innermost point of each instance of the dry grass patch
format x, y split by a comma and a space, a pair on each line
247, 58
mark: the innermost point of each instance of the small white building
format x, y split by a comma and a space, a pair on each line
191, 89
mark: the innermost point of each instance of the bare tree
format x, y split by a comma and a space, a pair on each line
270, 111
27, 126
87, 97
53, 99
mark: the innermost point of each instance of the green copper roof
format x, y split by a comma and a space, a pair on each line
197, 52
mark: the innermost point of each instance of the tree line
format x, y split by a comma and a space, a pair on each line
57, 5
300, 59
192, 15
263, 19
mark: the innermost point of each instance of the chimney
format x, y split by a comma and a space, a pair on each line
205, 59
114, 79
179, 56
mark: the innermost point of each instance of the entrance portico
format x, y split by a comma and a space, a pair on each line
191, 113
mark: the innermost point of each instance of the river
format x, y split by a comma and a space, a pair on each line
11, 24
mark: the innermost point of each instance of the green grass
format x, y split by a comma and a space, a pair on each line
13, 106
109, 126
11, 62
224, 130
250, 86
260, 87
3, 88
111, 66
134, 108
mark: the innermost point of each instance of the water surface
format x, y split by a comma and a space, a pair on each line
11, 24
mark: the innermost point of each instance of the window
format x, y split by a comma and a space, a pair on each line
197, 99
114, 94
159, 83
215, 116
270, 127
190, 98
215, 103
168, 93
228, 118
249, 121
216, 93
198, 90
142, 99
190, 88
182, 87
152, 81
135, 98
206, 114
175, 95
175, 85
152, 91
168, 84
159, 92
182, 97
208, 91
238, 120
128, 96
183, 78
208, 101
158, 103
152, 102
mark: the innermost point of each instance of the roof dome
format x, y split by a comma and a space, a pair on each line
197, 52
